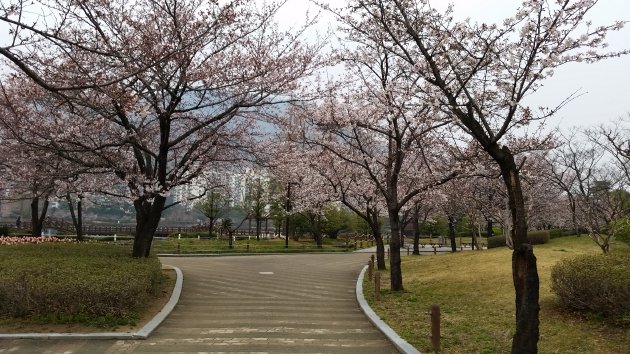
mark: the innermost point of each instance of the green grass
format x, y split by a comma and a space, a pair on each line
193, 245
90, 283
475, 292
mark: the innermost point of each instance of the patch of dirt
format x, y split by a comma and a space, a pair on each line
25, 326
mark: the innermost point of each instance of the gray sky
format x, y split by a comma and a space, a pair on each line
605, 86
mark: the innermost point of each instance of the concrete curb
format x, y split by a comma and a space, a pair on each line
143, 333
402, 345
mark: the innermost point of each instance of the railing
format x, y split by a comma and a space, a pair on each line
95, 229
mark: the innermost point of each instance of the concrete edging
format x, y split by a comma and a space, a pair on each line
143, 333
402, 345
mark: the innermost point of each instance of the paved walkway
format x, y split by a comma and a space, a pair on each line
251, 304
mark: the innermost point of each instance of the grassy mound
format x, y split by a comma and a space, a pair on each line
475, 292
89, 283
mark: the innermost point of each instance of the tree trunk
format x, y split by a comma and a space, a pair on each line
77, 218
258, 227
148, 216
37, 218
489, 231
451, 233
524, 271
394, 252
573, 207
416, 232
317, 232
210, 227
380, 247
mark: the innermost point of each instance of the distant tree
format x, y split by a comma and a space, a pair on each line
213, 207
227, 227
335, 220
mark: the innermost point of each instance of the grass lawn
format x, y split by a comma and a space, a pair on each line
193, 245
475, 292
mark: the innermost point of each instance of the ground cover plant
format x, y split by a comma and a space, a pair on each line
474, 290
89, 283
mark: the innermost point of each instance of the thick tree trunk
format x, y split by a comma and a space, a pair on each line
451, 234
394, 252
524, 271
37, 218
148, 216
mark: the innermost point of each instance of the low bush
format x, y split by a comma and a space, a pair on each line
623, 230
4, 230
496, 241
538, 237
191, 234
555, 233
596, 283
78, 282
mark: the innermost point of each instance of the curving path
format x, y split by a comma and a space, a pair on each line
251, 304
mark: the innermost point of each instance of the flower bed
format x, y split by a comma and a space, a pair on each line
12, 240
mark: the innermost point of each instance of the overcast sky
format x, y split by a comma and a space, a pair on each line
605, 86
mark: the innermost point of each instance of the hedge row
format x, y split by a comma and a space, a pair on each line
496, 241
75, 282
191, 234
535, 237
596, 283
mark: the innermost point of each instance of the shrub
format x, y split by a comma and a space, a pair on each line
623, 231
4, 230
555, 233
596, 283
538, 237
75, 282
496, 241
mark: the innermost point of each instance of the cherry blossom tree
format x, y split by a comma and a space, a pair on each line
152, 91
374, 121
613, 138
32, 174
595, 185
480, 74
384, 156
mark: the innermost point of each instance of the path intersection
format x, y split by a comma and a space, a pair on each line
297, 303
